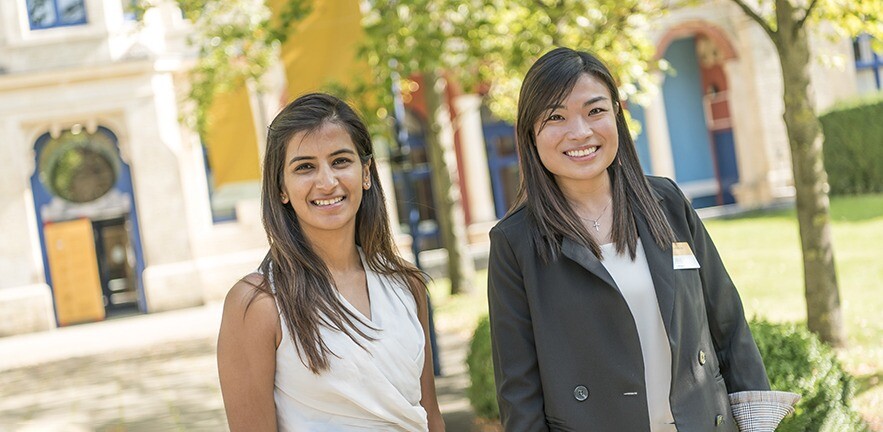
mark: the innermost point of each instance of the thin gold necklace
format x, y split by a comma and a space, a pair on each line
594, 222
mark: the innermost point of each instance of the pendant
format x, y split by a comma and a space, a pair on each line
596, 225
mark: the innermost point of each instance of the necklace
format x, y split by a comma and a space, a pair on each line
595, 224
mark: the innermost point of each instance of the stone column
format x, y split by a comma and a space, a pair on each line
481, 200
658, 137
170, 277
25, 298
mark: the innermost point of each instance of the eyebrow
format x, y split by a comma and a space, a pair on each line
300, 158
585, 104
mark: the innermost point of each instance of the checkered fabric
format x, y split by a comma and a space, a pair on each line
761, 411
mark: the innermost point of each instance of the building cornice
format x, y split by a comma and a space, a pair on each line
79, 74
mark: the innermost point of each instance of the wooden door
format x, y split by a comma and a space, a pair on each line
73, 265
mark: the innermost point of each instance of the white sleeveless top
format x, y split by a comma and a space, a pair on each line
373, 390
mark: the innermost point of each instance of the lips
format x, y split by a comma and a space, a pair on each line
327, 202
581, 152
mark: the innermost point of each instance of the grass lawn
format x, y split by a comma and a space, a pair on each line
762, 253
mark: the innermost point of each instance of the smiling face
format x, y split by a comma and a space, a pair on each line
577, 139
323, 179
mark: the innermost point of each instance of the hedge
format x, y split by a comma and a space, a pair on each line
853, 149
481, 392
797, 361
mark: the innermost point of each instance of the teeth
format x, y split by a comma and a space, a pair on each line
328, 201
582, 152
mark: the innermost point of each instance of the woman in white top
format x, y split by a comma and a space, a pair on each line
331, 333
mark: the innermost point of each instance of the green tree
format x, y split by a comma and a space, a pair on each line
789, 24
418, 37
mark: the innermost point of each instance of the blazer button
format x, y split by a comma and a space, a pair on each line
719, 420
702, 357
580, 393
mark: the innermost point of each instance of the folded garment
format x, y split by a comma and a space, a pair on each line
761, 410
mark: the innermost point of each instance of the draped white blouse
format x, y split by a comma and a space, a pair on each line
377, 389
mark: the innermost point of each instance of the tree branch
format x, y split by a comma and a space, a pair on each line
809, 9
757, 18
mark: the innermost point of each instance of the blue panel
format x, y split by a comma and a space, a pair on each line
725, 149
704, 201
502, 163
691, 149
42, 197
642, 145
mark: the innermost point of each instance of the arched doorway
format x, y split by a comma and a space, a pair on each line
697, 109
88, 225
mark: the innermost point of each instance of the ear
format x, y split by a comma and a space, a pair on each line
366, 174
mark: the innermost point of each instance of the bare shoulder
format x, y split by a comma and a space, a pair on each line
249, 306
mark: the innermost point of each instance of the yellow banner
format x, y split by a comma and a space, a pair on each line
322, 49
231, 139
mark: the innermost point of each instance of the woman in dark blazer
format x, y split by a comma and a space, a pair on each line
610, 307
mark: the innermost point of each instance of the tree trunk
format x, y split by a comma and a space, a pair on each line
823, 311
445, 187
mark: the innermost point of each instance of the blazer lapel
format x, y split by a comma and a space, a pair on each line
584, 257
660, 263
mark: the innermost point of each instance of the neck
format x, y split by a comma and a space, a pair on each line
339, 252
589, 199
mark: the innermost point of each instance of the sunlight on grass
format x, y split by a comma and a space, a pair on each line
762, 254
459, 313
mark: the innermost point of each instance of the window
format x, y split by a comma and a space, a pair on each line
868, 65
130, 9
79, 167
44, 14
223, 209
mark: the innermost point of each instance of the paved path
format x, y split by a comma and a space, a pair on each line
153, 372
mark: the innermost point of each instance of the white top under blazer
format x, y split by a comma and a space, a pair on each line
377, 389
634, 281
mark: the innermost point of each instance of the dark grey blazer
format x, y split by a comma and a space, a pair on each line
566, 350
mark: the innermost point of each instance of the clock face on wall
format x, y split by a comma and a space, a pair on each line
79, 168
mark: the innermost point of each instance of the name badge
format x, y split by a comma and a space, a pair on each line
683, 256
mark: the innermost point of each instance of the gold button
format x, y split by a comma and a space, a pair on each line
701, 357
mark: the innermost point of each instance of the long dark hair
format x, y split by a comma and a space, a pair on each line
548, 82
304, 286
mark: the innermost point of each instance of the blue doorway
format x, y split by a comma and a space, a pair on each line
696, 106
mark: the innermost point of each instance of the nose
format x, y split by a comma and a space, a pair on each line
579, 129
326, 179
